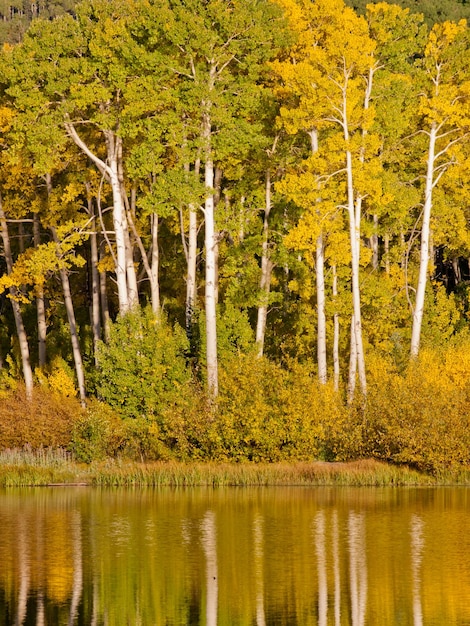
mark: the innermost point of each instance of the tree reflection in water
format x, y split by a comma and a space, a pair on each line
209, 542
417, 546
358, 567
258, 557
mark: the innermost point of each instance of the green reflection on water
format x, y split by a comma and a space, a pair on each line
257, 557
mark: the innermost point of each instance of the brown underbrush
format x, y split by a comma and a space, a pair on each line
46, 420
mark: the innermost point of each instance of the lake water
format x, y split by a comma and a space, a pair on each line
235, 556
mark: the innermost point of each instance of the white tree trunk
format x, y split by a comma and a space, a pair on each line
387, 253
154, 267
191, 257
20, 329
210, 246
211, 281
320, 288
151, 267
111, 171
191, 271
77, 355
266, 270
374, 244
425, 242
321, 321
335, 332
354, 232
105, 318
131, 276
352, 364
40, 302
95, 285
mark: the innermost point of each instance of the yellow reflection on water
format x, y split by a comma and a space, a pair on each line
244, 557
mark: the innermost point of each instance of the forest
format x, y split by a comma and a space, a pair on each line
236, 230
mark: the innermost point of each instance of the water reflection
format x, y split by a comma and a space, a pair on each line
209, 541
358, 567
313, 557
321, 566
417, 545
258, 557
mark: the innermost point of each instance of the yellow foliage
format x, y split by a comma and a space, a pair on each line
106, 263
441, 36
57, 378
6, 117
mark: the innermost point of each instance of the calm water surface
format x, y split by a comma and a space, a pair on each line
247, 557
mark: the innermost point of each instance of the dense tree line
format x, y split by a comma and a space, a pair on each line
283, 180
433, 12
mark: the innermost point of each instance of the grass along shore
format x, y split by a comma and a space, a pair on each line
23, 468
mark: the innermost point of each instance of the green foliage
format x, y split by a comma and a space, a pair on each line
97, 433
142, 371
433, 11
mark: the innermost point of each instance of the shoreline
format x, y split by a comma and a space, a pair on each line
115, 473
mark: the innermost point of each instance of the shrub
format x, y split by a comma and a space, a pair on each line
268, 413
97, 433
142, 371
45, 421
422, 417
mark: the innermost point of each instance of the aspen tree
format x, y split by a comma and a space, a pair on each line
220, 48
20, 327
331, 69
444, 106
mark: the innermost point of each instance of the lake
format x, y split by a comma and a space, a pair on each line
235, 556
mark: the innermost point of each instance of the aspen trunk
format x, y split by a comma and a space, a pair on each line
154, 267
425, 243
211, 282
20, 329
105, 317
320, 287
354, 210
266, 270
77, 355
210, 246
335, 333
132, 286
387, 253
352, 364
191, 259
151, 268
217, 192
321, 322
40, 302
95, 287
110, 170
356, 328
191, 271
374, 244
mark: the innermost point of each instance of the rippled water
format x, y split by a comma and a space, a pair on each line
235, 556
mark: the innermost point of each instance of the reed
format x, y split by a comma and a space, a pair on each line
356, 473
28, 468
